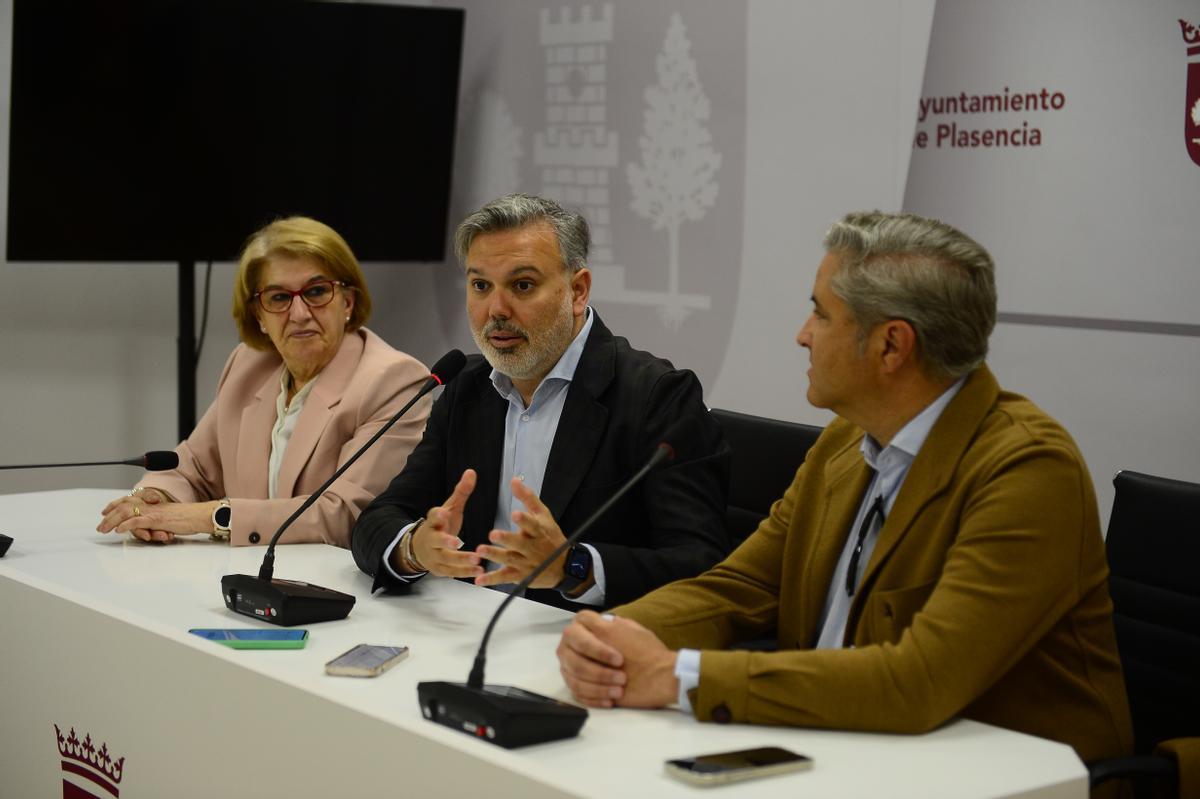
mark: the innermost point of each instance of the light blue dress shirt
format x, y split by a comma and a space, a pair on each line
891, 465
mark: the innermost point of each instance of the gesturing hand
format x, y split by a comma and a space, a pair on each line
436, 543
519, 552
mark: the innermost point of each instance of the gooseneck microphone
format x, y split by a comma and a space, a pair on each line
289, 602
156, 461
512, 717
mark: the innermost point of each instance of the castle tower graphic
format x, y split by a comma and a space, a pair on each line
577, 152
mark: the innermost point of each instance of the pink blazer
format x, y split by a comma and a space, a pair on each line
227, 454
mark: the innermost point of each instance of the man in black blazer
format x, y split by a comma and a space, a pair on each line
540, 431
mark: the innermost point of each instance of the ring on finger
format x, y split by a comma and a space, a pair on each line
137, 510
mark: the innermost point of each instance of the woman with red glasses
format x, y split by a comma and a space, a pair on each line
308, 385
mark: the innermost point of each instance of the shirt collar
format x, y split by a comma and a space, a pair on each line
563, 370
285, 382
912, 436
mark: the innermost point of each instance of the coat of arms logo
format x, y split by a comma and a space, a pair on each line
89, 772
1191, 125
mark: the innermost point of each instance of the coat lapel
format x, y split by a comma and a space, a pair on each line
480, 447
846, 479
582, 423
934, 466
317, 411
254, 439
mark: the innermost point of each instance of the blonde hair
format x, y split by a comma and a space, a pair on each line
295, 237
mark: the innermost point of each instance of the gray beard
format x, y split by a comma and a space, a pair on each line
535, 356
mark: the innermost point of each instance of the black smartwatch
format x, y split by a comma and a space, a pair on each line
576, 570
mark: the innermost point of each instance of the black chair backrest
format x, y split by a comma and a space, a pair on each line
1153, 547
766, 455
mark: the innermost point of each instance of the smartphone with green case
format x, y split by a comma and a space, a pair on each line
255, 639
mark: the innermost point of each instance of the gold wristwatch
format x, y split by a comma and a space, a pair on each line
222, 516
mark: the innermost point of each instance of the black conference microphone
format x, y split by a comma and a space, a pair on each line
512, 717
289, 602
157, 461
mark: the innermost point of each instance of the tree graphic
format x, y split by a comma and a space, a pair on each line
675, 182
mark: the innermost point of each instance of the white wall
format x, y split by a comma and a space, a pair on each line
832, 99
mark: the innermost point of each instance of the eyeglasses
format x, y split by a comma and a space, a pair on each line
315, 295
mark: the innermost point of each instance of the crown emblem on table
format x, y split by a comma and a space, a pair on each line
83, 758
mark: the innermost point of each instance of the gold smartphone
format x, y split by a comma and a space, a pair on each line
744, 764
366, 660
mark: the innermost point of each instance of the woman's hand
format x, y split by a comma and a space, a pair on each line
150, 515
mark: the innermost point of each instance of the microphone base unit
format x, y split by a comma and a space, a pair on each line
284, 602
500, 714
5, 543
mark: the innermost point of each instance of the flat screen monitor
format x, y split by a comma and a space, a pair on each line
169, 130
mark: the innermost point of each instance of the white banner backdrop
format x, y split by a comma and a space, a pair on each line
633, 113
710, 144
1059, 134
717, 142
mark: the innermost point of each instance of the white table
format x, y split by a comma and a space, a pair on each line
94, 637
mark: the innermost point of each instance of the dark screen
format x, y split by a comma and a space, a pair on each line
164, 130
739, 760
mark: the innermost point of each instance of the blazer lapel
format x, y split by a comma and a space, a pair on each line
314, 417
846, 479
254, 440
582, 423
480, 447
934, 466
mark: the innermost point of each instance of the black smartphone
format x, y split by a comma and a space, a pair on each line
743, 764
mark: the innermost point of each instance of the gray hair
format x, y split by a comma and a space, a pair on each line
935, 277
515, 211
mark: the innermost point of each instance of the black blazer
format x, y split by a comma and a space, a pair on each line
620, 403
